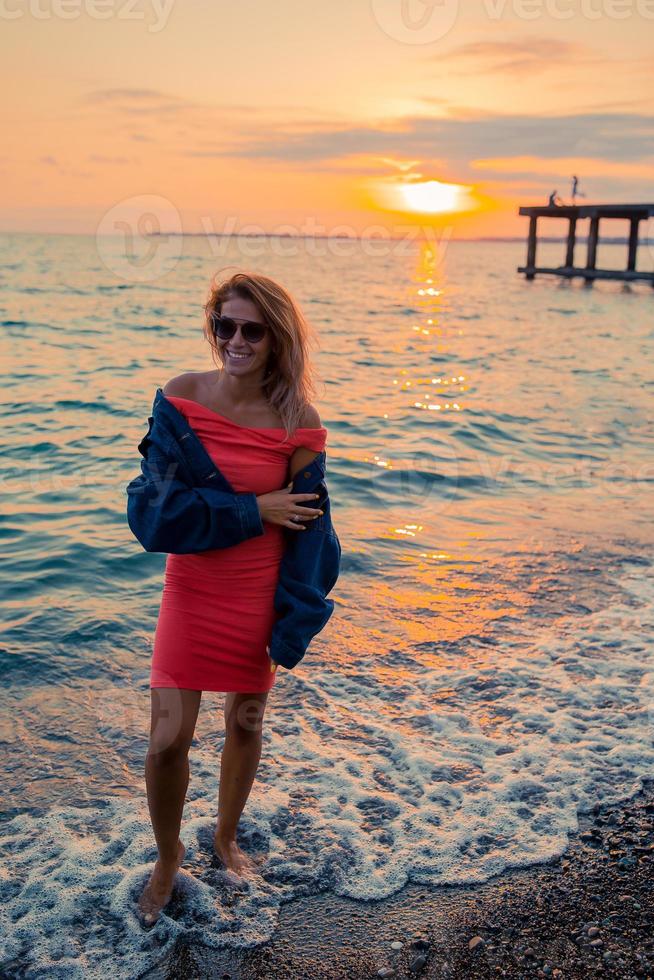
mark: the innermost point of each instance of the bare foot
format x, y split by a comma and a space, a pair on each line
158, 890
238, 865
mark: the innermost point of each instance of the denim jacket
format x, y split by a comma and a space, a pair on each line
182, 504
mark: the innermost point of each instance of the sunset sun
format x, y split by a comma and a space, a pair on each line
432, 196
424, 196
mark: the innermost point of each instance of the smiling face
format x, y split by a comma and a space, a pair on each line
239, 357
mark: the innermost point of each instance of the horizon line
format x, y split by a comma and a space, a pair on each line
608, 240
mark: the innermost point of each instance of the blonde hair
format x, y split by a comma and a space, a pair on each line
289, 382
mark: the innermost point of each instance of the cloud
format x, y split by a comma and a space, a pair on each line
622, 104
605, 136
403, 165
99, 158
520, 56
138, 101
145, 101
462, 144
533, 167
127, 95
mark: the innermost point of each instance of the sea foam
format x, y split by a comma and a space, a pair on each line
368, 780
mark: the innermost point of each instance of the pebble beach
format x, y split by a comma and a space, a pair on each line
588, 913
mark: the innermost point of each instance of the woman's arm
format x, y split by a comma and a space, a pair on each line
166, 514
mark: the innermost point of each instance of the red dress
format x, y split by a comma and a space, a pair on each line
216, 613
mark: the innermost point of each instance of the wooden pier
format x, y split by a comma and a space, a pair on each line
633, 213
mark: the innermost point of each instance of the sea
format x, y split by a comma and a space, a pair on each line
488, 672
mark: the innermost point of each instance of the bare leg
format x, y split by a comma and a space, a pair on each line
174, 713
238, 766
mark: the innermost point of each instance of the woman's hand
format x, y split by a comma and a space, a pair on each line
282, 506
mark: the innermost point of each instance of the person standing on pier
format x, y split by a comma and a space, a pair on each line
575, 189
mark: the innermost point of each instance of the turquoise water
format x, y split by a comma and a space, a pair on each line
488, 672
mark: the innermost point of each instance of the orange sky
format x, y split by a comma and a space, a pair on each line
304, 115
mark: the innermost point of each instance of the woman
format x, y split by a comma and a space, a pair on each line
254, 417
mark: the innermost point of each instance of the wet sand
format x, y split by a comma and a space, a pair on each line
588, 913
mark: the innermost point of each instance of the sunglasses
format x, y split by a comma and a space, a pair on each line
225, 328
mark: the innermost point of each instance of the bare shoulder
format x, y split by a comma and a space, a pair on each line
183, 385
302, 455
310, 418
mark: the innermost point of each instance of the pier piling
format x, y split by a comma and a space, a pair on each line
633, 213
